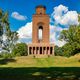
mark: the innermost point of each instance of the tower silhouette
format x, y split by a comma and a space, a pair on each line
40, 33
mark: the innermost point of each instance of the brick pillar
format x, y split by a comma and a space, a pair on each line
45, 50
34, 50
49, 51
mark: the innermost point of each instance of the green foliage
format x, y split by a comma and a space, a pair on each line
72, 37
6, 55
71, 49
58, 51
79, 17
1, 30
20, 49
11, 37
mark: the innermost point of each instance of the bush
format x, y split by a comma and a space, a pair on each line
58, 51
72, 37
70, 49
6, 55
20, 49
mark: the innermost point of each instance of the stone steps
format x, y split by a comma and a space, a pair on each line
39, 56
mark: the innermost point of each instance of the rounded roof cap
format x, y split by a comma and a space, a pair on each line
41, 6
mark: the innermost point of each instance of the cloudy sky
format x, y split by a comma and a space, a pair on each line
63, 13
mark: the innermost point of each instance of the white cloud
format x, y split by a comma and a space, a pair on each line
70, 18
60, 43
54, 35
25, 34
18, 16
63, 16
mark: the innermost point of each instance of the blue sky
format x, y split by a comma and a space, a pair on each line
27, 8
21, 11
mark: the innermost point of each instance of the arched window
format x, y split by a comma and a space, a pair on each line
40, 33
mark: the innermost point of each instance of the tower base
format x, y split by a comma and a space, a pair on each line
40, 49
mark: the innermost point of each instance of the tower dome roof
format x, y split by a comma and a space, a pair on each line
41, 6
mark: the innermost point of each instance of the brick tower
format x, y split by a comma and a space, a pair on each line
40, 33
40, 21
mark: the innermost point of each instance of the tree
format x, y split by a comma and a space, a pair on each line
1, 28
79, 17
20, 49
11, 37
58, 51
10, 41
72, 37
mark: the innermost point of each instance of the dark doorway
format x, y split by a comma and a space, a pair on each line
33, 49
51, 49
40, 50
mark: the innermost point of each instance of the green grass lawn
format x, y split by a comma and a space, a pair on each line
52, 68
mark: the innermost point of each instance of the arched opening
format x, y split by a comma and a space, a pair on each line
40, 50
33, 50
40, 33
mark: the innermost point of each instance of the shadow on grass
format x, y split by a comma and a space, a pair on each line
34, 73
5, 61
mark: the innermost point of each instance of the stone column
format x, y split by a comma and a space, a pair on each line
36, 50
49, 51
32, 50
39, 50
45, 51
